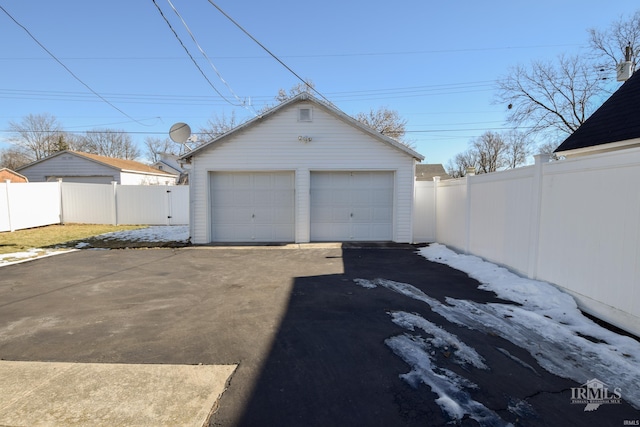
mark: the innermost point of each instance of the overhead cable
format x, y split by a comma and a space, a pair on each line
191, 56
67, 68
268, 51
242, 103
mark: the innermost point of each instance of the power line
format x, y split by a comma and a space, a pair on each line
319, 55
67, 68
268, 51
191, 56
242, 103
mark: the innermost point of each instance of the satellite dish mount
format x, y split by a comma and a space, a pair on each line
181, 134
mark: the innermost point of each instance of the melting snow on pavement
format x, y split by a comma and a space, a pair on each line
546, 323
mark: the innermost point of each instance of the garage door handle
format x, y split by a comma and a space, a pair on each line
253, 215
351, 214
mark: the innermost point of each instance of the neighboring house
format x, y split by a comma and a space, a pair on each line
9, 175
170, 163
613, 126
429, 171
74, 166
302, 171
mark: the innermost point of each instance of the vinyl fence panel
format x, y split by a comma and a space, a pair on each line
5, 224
88, 203
153, 204
451, 213
424, 215
500, 214
179, 204
31, 205
590, 233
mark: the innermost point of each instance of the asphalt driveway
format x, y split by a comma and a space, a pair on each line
309, 342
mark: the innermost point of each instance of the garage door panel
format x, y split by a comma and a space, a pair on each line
351, 206
252, 206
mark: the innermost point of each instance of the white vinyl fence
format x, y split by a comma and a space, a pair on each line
574, 223
26, 205
29, 205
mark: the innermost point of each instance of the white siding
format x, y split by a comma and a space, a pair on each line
273, 144
68, 164
133, 178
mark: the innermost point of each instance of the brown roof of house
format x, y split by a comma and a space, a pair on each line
122, 164
428, 171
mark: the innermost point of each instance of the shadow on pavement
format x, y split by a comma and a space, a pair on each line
329, 365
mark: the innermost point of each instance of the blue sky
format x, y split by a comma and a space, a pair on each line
435, 62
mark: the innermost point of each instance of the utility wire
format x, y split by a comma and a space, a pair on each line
67, 68
191, 56
242, 103
268, 51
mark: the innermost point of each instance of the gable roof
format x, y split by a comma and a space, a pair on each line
428, 171
11, 175
307, 97
119, 164
615, 121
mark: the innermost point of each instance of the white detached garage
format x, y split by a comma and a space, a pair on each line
303, 171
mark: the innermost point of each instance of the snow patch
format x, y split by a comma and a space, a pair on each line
448, 385
156, 233
462, 353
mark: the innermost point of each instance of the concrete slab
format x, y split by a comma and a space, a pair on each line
80, 394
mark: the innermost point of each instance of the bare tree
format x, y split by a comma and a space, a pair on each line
387, 122
548, 148
518, 148
457, 168
489, 149
609, 45
491, 152
14, 157
218, 125
548, 96
38, 134
307, 87
111, 143
157, 146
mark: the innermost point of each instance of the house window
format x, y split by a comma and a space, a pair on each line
304, 114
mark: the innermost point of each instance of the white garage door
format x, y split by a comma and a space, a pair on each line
252, 206
355, 206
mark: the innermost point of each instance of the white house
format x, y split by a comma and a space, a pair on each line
74, 166
170, 163
303, 171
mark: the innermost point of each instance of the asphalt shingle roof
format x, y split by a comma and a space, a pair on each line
122, 164
618, 119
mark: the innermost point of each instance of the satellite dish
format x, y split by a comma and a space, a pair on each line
180, 133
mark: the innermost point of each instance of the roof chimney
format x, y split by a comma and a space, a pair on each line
625, 68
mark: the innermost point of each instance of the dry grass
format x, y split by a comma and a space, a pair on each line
53, 235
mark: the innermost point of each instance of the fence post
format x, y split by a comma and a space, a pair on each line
114, 217
536, 211
60, 199
436, 181
467, 221
8, 182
